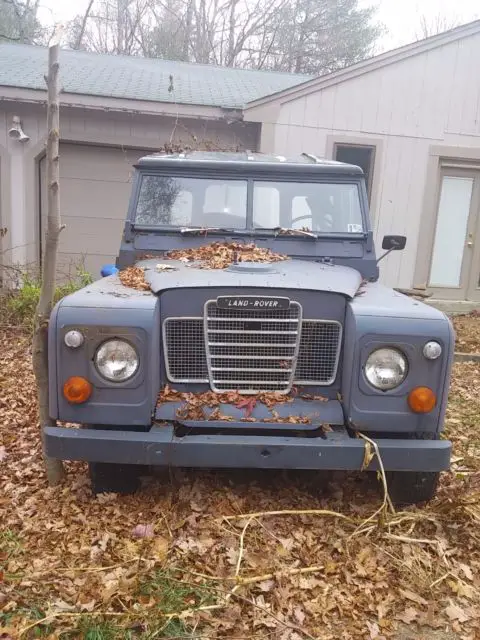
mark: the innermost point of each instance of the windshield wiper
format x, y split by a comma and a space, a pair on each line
194, 231
282, 231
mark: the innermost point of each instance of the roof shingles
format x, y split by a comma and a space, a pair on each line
135, 78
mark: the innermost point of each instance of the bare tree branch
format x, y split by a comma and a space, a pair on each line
440, 23
304, 36
81, 31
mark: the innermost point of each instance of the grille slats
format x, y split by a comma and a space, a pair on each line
233, 349
279, 329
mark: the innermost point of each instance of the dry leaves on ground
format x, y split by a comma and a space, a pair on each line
232, 554
467, 329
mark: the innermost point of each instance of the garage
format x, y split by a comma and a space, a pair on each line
95, 183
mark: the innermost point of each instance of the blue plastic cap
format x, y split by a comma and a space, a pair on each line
108, 270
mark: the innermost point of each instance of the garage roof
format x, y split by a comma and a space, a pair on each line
135, 78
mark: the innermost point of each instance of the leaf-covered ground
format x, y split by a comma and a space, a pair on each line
467, 329
185, 559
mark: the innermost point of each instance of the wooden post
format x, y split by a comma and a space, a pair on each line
54, 468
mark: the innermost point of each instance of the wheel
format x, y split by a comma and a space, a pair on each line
411, 487
114, 478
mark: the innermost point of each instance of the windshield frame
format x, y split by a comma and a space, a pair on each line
250, 178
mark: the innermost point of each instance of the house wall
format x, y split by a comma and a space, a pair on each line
20, 162
406, 108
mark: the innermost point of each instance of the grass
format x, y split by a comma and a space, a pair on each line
171, 594
100, 630
90, 629
10, 546
28, 613
10, 543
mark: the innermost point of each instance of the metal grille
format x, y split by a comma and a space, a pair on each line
319, 352
252, 351
183, 342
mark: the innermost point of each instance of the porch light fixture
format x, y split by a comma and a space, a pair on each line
16, 131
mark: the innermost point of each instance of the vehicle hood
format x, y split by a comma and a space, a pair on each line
288, 274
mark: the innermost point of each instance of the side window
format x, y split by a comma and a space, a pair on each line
361, 156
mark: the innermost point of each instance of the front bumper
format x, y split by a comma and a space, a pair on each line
335, 450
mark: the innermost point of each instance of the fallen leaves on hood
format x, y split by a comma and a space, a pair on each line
220, 255
134, 277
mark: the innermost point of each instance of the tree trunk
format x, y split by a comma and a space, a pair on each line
54, 468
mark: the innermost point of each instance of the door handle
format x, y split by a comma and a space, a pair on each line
470, 240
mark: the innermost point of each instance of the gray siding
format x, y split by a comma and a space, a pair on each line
404, 108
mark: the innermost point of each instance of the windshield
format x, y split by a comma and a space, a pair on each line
192, 202
222, 203
317, 207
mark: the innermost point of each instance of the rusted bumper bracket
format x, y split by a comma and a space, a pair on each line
161, 447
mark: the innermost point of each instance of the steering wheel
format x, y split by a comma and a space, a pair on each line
325, 226
303, 217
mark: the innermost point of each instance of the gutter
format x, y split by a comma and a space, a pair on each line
119, 105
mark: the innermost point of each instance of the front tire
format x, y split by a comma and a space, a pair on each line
114, 478
412, 487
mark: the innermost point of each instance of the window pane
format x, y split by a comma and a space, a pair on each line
196, 202
451, 231
266, 206
317, 207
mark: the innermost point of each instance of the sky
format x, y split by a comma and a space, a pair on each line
401, 18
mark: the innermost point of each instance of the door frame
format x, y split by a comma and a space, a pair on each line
469, 261
439, 156
473, 286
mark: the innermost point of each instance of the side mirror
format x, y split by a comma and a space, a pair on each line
394, 243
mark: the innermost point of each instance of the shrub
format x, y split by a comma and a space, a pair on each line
19, 305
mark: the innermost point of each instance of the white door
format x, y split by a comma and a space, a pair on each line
455, 263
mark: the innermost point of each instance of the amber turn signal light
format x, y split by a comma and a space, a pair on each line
77, 390
422, 400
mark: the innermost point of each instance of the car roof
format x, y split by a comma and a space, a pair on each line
246, 160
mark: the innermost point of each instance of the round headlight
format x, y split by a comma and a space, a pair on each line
116, 360
432, 350
386, 368
74, 339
